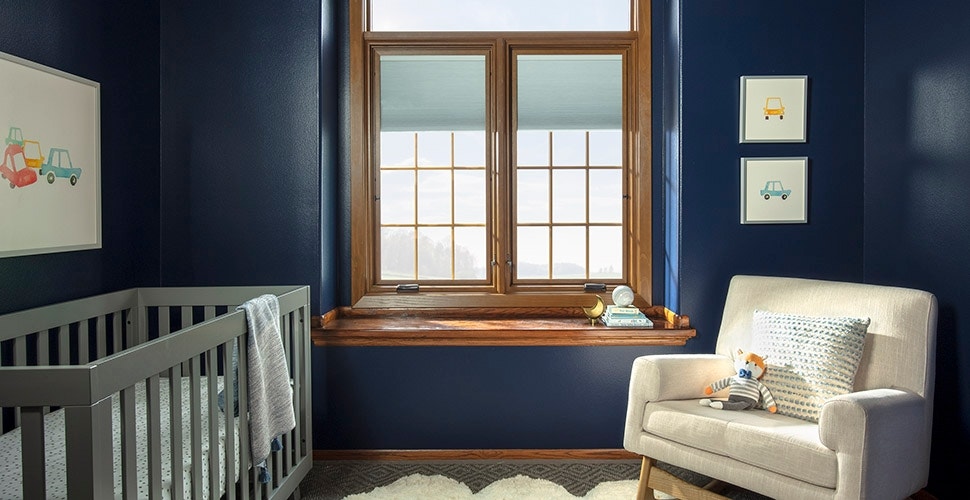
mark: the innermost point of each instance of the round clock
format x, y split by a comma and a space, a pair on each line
622, 295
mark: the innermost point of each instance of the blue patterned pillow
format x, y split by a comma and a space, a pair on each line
809, 359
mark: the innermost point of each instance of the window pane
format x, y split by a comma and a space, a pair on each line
532, 252
606, 148
470, 253
434, 149
434, 197
569, 148
500, 15
606, 196
397, 149
397, 197
470, 148
605, 252
532, 196
470, 197
569, 252
434, 253
532, 148
397, 254
569, 195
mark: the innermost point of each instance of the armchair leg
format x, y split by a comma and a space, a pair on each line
644, 491
653, 478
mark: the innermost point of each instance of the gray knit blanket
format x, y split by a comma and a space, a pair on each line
270, 394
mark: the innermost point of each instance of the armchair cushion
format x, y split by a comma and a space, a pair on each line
810, 358
785, 445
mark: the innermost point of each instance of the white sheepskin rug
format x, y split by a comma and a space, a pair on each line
417, 486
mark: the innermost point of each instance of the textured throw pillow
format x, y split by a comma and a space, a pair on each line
810, 359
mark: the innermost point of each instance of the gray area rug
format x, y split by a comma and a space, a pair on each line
334, 480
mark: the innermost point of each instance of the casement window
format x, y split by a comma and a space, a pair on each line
500, 157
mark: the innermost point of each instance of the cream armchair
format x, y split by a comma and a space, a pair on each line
871, 442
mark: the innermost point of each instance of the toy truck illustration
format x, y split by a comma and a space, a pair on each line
14, 168
774, 188
32, 154
59, 164
773, 107
15, 136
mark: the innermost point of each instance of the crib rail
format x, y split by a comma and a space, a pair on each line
128, 340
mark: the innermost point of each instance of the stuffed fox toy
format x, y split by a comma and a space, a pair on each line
746, 390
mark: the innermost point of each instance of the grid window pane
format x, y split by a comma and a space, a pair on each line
606, 148
434, 253
434, 197
605, 252
397, 254
569, 195
569, 148
469, 196
434, 149
606, 196
397, 197
532, 196
532, 148
569, 252
397, 149
470, 253
532, 251
470, 148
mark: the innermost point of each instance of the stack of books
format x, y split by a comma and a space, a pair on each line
626, 316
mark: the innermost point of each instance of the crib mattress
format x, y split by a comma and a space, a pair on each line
11, 479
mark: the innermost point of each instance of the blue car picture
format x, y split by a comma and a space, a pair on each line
774, 188
59, 164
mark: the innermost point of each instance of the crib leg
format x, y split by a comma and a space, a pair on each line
88, 438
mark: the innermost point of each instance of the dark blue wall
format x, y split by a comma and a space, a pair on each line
224, 161
917, 223
116, 45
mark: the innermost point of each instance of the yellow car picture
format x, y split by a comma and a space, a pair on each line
32, 154
773, 107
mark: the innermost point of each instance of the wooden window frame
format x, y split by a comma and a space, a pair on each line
367, 292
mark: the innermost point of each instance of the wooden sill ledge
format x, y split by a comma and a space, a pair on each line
347, 327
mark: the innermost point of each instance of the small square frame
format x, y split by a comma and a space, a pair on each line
773, 109
774, 190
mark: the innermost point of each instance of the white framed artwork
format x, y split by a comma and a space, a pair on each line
50, 190
774, 190
773, 109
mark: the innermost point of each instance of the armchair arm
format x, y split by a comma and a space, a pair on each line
666, 377
880, 439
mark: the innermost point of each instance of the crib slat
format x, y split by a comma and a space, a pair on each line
245, 455
116, 330
129, 445
211, 376
164, 324
87, 434
32, 446
19, 359
63, 345
287, 437
101, 336
185, 315
175, 421
43, 348
153, 408
83, 352
299, 445
228, 386
195, 395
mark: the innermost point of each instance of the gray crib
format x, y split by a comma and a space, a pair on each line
118, 396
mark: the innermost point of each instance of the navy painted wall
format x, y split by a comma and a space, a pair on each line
917, 223
224, 160
116, 45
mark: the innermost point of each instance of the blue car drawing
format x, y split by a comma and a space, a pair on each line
59, 164
774, 188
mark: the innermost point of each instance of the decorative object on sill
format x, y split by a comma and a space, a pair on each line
595, 311
774, 190
622, 312
773, 109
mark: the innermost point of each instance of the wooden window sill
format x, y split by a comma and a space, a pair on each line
348, 327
